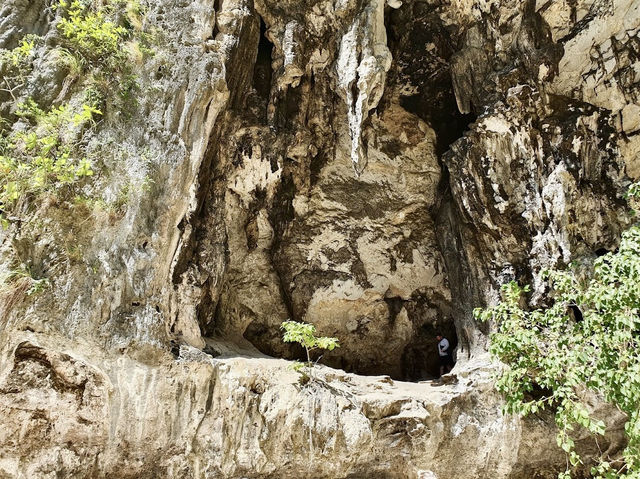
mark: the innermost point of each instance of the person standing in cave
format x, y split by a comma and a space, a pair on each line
444, 353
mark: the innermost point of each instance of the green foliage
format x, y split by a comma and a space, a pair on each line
553, 359
99, 44
634, 191
46, 154
305, 335
45, 151
26, 279
91, 34
15, 64
19, 55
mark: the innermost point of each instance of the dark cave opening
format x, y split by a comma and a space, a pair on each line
421, 360
575, 313
422, 47
448, 123
262, 72
420, 357
216, 28
257, 100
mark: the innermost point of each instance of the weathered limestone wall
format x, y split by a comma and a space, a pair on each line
377, 169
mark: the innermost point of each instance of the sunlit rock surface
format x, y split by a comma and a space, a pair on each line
376, 169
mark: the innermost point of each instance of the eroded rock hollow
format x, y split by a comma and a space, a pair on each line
375, 168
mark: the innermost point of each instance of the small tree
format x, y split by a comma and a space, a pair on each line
559, 357
305, 335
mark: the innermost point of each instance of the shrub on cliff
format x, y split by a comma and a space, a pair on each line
47, 154
555, 358
43, 149
305, 335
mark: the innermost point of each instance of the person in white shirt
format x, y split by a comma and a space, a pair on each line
444, 353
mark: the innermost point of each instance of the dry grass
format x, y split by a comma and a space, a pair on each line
12, 294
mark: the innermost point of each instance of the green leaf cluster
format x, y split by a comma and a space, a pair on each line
106, 41
41, 151
91, 34
15, 64
554, 356
46, 154
20, 54
305, 335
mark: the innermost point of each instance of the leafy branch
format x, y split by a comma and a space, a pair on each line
305, 335
553, 357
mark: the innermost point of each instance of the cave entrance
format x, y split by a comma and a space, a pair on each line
420, 81
422, 48
421, 360
262, 73
257, 99
418, 361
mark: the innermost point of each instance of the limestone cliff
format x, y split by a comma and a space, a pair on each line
375, 168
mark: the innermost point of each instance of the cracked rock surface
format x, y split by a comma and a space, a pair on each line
375, 168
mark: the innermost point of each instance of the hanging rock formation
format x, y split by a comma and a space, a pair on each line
375, 168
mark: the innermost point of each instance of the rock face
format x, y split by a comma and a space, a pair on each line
375, 168
239, 417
